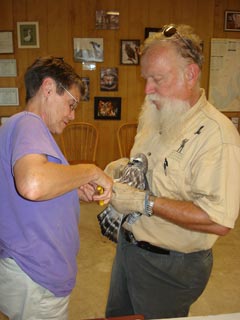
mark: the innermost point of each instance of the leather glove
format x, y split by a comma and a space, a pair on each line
114, 168
126, 199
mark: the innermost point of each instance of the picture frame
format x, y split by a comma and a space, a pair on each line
28, 34
8, 67
6, 42
129, 51
9, 97
108, 79
86, 84
150, 31
232, 21
107, 20
107, 108
88, 49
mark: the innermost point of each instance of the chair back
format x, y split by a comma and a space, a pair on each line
125, 138
79, 142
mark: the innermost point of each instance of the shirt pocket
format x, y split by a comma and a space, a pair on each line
168, 177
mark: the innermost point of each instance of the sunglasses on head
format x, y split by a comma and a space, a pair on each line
170, 30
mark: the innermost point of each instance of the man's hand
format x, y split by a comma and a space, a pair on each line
126, 199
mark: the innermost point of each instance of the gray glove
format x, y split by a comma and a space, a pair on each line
114, 168
126, 199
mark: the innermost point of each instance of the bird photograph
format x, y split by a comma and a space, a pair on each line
133, 174
130, 52
88, 49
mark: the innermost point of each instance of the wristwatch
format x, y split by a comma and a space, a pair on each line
149, 203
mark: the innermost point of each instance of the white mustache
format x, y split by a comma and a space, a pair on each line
153, 97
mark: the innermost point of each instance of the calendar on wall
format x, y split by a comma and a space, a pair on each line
224, 81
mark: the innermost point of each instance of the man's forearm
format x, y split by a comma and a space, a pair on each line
187, 215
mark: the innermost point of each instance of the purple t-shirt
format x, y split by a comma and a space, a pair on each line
41, 236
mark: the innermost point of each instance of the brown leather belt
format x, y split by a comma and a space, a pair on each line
143, 244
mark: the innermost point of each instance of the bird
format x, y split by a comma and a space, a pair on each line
133, 174
97, 50
131, 53
28, 37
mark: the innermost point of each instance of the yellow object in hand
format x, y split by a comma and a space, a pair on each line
100, 191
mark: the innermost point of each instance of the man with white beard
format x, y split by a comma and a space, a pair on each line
164, 258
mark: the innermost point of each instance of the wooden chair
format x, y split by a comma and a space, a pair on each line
125, 138
79, 142
234, 116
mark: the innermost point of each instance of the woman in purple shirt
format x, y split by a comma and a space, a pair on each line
39, 196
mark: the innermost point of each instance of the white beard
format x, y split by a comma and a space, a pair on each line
166, 119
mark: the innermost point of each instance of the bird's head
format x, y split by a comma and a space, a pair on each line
139, 160
95, 44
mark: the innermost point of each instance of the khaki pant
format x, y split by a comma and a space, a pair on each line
23, 299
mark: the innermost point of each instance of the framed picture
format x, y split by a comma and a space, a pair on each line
86, 84
8, 68
109, 79
28, 34
107, 108
232, 21
6, 42
151, 31
129, 52
9, 97
107, 20
88, 49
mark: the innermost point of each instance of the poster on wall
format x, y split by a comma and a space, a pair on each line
28, 34
6, 42
129, 52
107, 108
109, 79
107, 19
8, 68
232, 21
224, 81
88, 49
9, 97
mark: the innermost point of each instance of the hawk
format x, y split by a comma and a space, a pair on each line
134, 174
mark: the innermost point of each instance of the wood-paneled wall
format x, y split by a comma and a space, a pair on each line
62, 20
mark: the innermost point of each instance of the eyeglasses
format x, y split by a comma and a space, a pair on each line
74, 105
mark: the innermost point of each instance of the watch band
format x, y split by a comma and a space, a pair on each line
149, 203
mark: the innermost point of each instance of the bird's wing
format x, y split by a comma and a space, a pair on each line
133, 176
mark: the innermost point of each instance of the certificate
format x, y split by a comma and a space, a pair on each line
6, 42
8, 68
9, 97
